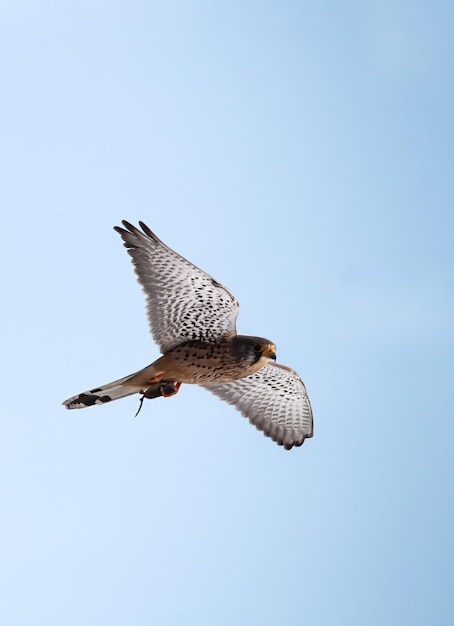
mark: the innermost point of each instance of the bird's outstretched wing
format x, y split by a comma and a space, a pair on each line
275, 400
183, 302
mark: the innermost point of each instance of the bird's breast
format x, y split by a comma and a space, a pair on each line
201, 363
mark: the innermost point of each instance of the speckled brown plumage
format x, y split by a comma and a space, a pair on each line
193, 320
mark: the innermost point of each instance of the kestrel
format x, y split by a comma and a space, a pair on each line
192, 318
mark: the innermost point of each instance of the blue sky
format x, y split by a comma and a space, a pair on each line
301, 153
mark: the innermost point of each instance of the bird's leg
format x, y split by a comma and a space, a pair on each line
169, 389
151, 392
161, 388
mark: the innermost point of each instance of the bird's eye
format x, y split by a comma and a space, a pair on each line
258, 347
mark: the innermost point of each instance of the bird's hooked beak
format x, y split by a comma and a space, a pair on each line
270, 352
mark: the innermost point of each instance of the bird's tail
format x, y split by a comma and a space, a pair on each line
134, 383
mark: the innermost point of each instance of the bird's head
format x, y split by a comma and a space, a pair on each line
255, 349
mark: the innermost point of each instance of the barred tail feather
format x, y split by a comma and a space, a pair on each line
134, 383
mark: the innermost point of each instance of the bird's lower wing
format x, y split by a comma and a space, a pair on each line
275, 400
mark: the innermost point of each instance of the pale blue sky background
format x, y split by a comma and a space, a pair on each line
302, 153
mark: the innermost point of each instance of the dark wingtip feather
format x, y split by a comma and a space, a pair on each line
130, 242
130, 229
148, 231
129, 226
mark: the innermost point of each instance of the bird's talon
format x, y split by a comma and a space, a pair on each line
169, 389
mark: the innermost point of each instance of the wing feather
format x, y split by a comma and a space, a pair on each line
183, 302
275, 400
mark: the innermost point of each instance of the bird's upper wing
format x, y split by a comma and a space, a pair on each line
183, 302
275, 401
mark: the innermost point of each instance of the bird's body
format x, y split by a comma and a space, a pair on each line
192, 318
195, 362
